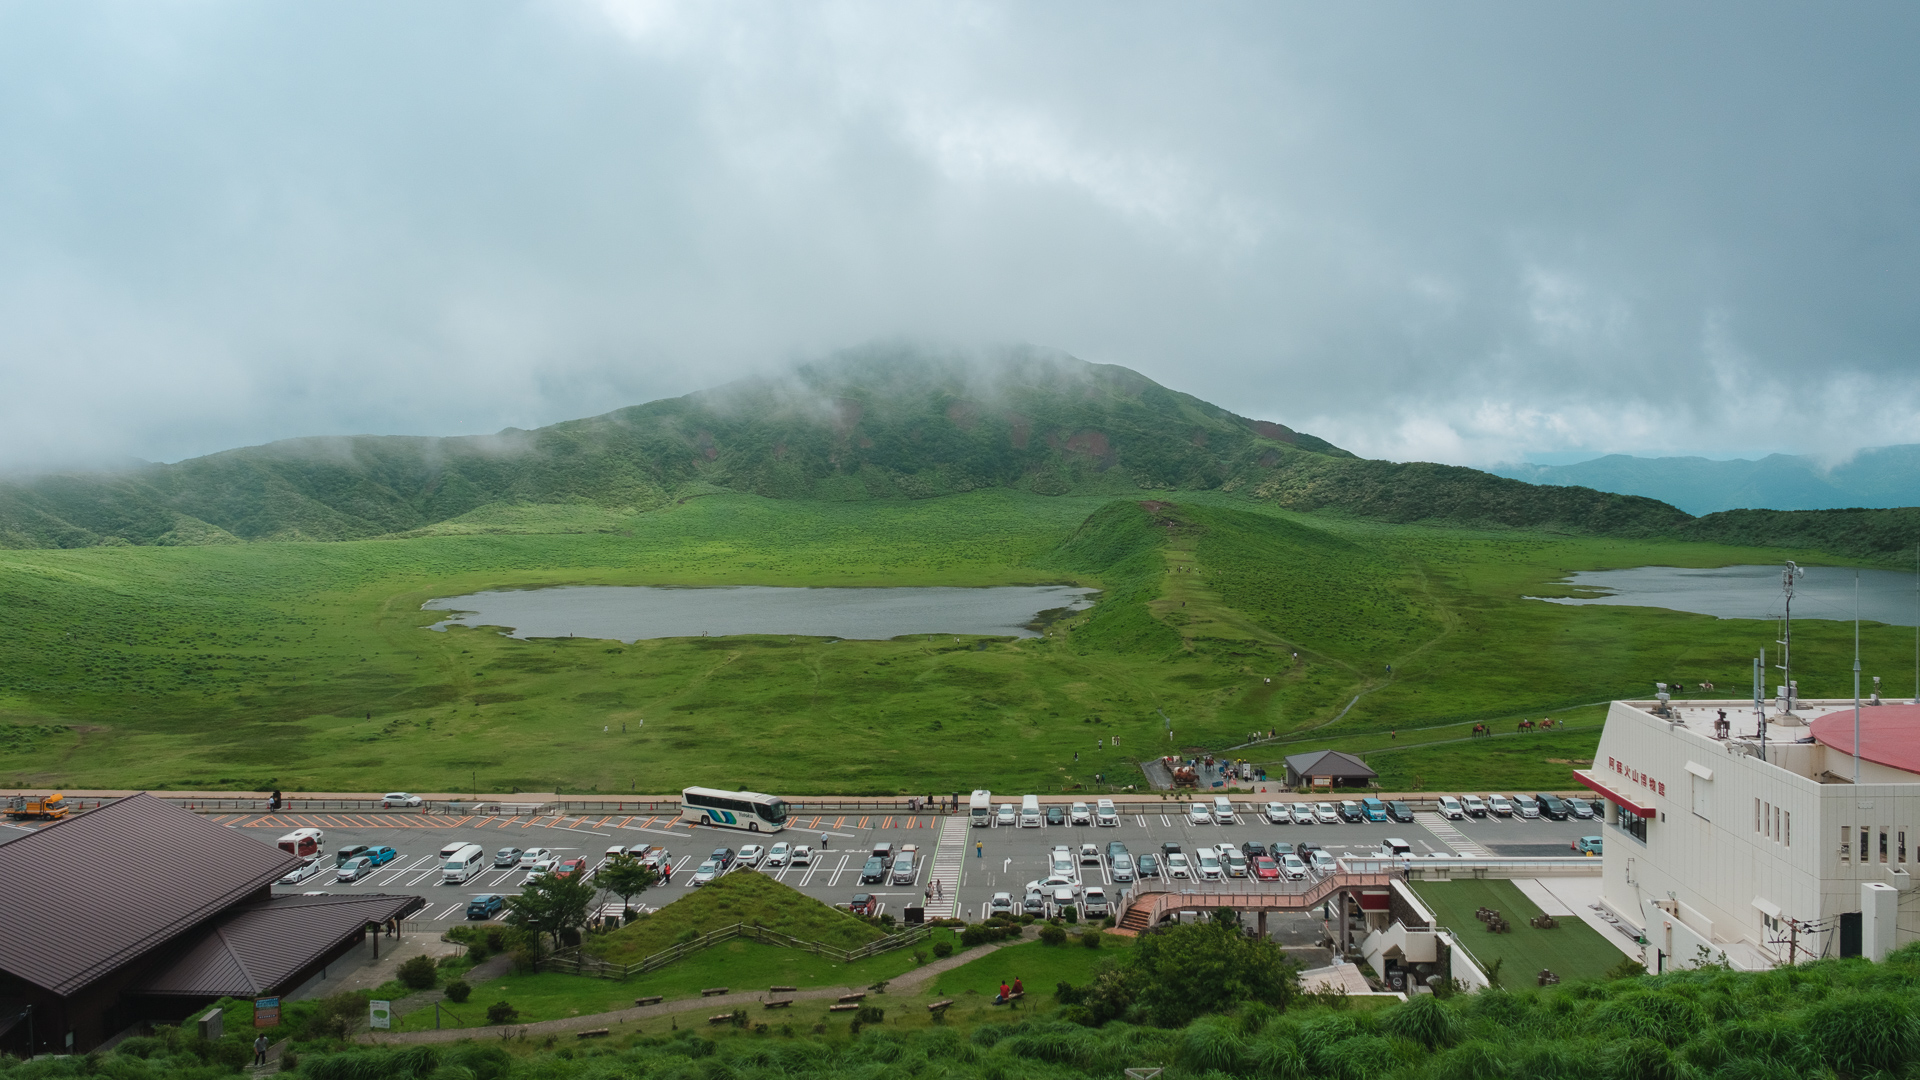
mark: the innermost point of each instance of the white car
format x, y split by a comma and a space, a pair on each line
1089, 855
1080, 814
1325, 814
1235, 862
1323, 863
1209, 865
1499, 805
617, 851
1001, 904
1003, 817
302, 872
1052, 882
1104, 815
707, 872
540, 869
777, 854
1291, 866
750, 855
1303, 814
1475, 807
1451, 809
1277, 814
1177, 867
534, 856
1096, 904
1525, 806
1199, 814
1223, 813
802, 856
400, 798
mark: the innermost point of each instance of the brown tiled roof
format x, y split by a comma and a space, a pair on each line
257, 948
86, 895
1328, 763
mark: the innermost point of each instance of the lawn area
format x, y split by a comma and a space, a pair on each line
1572, 950
734, 898
1039, 966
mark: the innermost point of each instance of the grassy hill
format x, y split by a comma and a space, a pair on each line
735, 898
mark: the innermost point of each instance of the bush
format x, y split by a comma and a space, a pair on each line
870, 1014
1052, 935
458, 991
1070, 915
1425, 1021
289, 1061
502, 1013
420, 973
942, 949
1864, 1033
1090, 938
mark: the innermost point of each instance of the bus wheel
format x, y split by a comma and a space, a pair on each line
753, 826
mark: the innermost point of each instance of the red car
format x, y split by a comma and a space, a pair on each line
569, 867
1265, 869
863, 904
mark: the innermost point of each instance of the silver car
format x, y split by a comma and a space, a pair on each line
1122, 868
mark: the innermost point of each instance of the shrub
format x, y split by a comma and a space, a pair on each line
870, 1014
1070, 915
978, 934
502, 1013
1090, 938
1865, 1033
420, 972
1052, 935
942, 949
1425, 1021
289, 1061
458, 991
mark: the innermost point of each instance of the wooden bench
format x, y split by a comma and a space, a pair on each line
723, 1018
940, 1006
782, 989
594, 1034
713, 990
1011, 998
777, 1003
849, 1007
654, 1000
845, 998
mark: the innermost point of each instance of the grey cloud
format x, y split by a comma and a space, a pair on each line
1461, 233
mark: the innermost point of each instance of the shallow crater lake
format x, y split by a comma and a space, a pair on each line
632, 612
1750, 592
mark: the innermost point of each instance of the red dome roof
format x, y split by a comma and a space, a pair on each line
1889, 734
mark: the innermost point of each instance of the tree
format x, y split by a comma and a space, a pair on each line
1185, 971
624, 877
551, 904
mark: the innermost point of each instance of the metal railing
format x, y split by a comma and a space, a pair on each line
574, 961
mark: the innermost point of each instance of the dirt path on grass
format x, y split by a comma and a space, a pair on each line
908, 983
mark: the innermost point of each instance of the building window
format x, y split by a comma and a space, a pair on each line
1866, 849
1903, 847
1787, 832
1756, 815
1633, 825
1883, 843
1846, 839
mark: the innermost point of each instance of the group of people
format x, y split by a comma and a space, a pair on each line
1006, 994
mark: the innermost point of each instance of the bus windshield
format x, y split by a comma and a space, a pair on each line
775, 811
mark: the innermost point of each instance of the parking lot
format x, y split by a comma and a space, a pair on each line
970, 864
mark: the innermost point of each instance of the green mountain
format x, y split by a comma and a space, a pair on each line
882, 422
1883, 477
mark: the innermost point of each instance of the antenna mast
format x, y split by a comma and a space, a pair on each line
1856, 677
1786, 638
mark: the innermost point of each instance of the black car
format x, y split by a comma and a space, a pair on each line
347, 854
1056, 816
1148, 865
1551, 806
1170, 848
1253, 849
1400, 812
723, 857
1115, 847
1350, 811
875, 872
1305, 849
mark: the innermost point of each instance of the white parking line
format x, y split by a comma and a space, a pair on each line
1166, 822
834, 882
401, 871
424, 875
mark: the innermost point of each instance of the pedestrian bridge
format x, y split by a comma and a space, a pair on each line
1148, 907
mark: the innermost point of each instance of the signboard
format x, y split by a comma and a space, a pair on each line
211, 1026
380, 1014
266, 1012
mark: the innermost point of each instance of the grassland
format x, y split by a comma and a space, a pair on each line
735, 898
308, 666
1572, 950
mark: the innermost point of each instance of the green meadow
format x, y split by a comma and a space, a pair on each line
309, 666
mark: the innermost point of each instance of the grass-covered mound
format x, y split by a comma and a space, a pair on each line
743, 897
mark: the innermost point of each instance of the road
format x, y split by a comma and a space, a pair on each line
972, 864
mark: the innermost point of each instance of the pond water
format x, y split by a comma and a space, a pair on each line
1751, 592
632, 612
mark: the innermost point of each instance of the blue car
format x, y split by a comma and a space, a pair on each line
380, 856
485, 906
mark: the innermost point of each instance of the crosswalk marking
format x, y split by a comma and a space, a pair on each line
1443, 830
949, 857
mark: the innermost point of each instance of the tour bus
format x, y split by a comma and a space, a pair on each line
747, 810
463, 864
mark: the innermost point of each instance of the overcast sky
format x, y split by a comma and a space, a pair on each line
1456, 232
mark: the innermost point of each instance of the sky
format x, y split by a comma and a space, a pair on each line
1464, 232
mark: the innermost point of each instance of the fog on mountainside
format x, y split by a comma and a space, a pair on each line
1887, 476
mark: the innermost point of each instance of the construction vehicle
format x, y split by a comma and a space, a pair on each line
36, 807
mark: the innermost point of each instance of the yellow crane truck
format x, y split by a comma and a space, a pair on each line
37, 807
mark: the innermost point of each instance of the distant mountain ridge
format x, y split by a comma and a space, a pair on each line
1879, 478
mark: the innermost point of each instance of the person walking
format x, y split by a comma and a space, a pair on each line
260, 1050
979, 850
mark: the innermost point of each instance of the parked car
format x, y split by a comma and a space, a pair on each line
1474, 805
751, 855
1235, 863
1587, 845
1291, 866
1451, 809
357, 868
1064, 897
346, 854
534, 855
1199, 814
1265, 869
1054, 881
1305, 849
651, 856
905, 868
724, 856
302, 872
1400, 811
1104, 814
1147, 865
1122, 865
485, 906
1210, 869
381, 854
1302, 813
1095, 902
1000, 904
1253, 849
1056, 816
1081, 814
1177, 867
1350, 811
1277, 814
875, 872
777, 854
1524, 806
1003, 817
802, 856
1035, 904
1322, 863
1581, 809
1325, 814
863, 903
706, 872
1498, 806
399, 798
567, 868
1115, 847
1089, 855
1552, 807
884, 852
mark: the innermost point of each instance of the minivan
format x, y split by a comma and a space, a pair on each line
1552, 806
904, 871
1374, 809
1104, 814
1526, 806
462, 864
1395, 848
1029, 811
1222, 810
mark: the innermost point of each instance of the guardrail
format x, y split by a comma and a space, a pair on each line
574, 961
1478, 867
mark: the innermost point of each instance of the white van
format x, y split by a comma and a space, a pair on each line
980, 808
1105, 815
452, 849
1029, 811
1222, 810
466, 861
